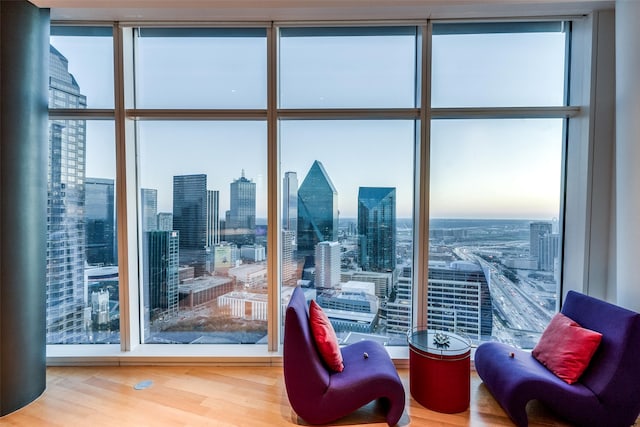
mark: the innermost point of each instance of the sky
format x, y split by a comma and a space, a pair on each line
479, 168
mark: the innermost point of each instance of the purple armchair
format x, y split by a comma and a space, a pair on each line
319, 395
608, 392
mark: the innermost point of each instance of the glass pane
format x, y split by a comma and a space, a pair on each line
347, 67
498, 65
81, 68
82, 261
203, 231
201, 68
494, 238
347, 223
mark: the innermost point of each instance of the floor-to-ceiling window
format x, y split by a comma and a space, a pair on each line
496, 178
348, 112
202, 177
82, 251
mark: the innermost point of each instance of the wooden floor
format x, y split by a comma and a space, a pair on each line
217, 396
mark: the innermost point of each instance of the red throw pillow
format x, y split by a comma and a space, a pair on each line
325, 337
566, 348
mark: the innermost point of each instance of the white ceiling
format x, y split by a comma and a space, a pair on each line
313, 10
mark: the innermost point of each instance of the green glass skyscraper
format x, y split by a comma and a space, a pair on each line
377, 228
317, 210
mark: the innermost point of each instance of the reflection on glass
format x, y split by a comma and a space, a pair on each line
82, 265
201, 68
347, 67
203, 232
498, 65
494, 238
81, 67
349, 185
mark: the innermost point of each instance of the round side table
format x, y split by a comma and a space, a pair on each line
440, 370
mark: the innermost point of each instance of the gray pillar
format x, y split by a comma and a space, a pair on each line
24, 41
627, 153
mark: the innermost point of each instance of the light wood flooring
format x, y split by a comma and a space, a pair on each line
217, 396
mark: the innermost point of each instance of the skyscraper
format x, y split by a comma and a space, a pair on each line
377, 228
327, 259
213, 217
537, 231
240, 226
100, 222
290, 201
149, 207
190, 219
66, 297
317, 210
165, 221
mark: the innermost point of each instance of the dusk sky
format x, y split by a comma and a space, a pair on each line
479, 168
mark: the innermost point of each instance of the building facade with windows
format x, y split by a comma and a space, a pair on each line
377, 228
66, 217
317, 210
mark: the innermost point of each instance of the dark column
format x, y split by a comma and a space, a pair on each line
24, 70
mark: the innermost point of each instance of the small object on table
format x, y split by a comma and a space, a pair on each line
365, 355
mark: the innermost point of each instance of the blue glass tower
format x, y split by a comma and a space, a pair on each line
377, 228
317, 210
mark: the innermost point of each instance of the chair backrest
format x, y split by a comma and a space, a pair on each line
614, 372
306, 378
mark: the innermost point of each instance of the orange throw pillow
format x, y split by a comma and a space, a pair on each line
325, 337
566, 348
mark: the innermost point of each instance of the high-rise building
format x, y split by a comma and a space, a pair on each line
377, 228
317, 210
399, 307
100, 223
240, 224
290, 201
165, 221
537, 230
459, 299
65, 289
160, 273
327, 259
548, 251
190, 210
149, 207
190, 219
213, 217
289, 265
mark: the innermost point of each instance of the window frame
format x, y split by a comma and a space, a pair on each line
130, 351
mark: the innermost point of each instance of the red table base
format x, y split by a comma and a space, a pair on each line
438, 382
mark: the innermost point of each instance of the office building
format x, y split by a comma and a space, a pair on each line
101, 248
290, 201
165, 221
190, 220
459, 299
240, 226
213, 218
537, 230
327, 262
289, 264
149, 209
317, 210
66, 255
160, 274
377, 228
